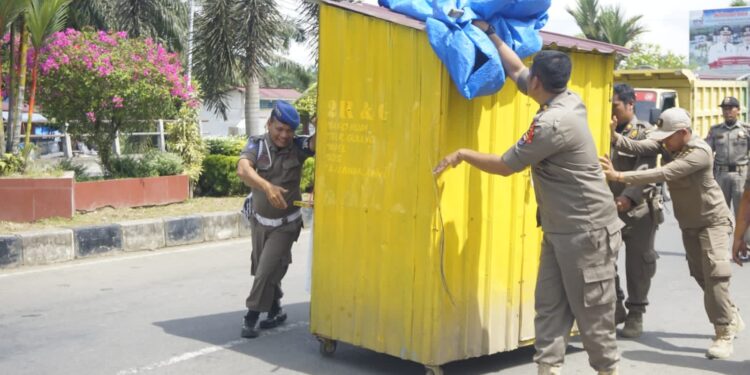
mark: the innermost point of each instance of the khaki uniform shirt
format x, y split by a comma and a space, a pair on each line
698, 200
568, 182
279, 166
623, 161
730, 143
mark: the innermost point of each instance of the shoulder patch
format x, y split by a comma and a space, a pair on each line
528, 137
633, 134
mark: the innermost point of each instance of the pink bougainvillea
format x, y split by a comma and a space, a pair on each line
104, 53
102, 83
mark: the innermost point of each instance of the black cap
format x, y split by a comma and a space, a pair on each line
725, 29
730, 101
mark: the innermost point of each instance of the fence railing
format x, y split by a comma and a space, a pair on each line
67, 146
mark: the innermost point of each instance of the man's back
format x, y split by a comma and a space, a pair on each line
568, 181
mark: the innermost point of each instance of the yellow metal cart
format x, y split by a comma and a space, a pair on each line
424, 270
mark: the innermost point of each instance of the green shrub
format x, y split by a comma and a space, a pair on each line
151, 164
306, 105
229, 146
164, 163
219, 177
308, 176
79, 170
185, 140
10, 164
136, 144
128, 167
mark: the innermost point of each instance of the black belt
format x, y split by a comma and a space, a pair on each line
730, 168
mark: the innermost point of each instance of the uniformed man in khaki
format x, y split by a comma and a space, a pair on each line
271, 165
739, 246
730, 142
699, 207
639, 207
576, 208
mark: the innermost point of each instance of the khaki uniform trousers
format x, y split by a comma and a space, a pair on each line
271, 256
732, 185
576, 282
709, 263
640, 261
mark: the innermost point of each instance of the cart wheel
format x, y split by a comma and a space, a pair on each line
327, 347
433, 370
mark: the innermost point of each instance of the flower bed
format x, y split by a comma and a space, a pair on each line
25, 199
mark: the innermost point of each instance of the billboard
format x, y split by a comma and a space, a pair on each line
720, 40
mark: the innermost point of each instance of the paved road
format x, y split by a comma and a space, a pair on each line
178, 312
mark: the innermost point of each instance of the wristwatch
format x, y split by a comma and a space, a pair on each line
490, 30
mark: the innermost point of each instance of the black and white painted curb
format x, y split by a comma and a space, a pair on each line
65, 244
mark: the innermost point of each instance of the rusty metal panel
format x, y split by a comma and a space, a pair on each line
422, 269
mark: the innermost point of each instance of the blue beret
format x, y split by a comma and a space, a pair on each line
286, 113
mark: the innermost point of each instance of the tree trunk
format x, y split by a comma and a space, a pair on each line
32, 98
21, 89
106, 138
11, 89
253, 124
2, 125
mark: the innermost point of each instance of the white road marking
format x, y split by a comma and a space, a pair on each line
209, 349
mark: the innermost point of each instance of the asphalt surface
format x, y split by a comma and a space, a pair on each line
179, 311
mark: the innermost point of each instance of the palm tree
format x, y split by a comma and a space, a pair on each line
20, 83
9, 11
608, 24
165, 21
94, 13
617, 29
586, 15
214, 53
261, 35
43, 17
234, 41
288, 74
283, 72
310, 11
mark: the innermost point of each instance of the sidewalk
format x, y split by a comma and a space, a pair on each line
47, 246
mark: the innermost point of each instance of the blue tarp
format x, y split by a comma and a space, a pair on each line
469, 55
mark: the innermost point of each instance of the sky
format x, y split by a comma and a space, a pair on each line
666, 20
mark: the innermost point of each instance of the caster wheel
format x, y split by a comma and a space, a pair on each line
327, 347
433, 370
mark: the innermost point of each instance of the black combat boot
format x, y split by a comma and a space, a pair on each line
248, 328
275, 316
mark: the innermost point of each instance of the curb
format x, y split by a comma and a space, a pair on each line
221, 226
65, 244
10, 251
184, 230
47, 246
143, 235
97, 240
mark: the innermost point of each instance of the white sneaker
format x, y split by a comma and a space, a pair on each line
722, 346
610, 372
545, 369
737, 325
